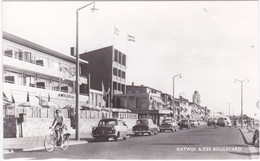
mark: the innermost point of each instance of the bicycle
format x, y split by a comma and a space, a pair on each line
53, 140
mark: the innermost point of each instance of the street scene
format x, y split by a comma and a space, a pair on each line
124, 80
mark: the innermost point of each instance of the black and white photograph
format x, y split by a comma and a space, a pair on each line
130, 80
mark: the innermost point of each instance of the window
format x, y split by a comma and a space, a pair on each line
124, 60
9, 53
39, 62
29, 80
115, 71
123, 74
114, 85
9, 79
19, 55
119, 73
123, 88
27, 56
115, 55
120, 58
119, 86
14, 77
140, 102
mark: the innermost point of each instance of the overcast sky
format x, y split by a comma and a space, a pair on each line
209, 43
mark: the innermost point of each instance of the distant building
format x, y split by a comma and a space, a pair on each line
107, 65
196, 98
144, 101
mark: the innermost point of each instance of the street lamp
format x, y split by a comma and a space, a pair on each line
241, 81
77, 67
173, 101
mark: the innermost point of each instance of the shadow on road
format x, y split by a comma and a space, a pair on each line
244, 154
173, 144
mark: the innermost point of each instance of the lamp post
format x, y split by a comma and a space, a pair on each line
77, 68
241, 81
173, 103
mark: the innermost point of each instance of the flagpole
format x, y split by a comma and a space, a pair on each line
113, 53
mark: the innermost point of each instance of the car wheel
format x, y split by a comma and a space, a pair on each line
155, 132
149, 133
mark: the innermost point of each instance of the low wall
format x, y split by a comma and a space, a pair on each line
40, 126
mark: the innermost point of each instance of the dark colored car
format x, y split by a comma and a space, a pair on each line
145, 126
194, 123
168, 124
221, 122
184, 124
110, 128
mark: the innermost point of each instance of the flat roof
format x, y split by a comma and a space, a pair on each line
40, 48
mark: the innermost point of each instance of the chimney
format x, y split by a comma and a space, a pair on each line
72, 51
133, 83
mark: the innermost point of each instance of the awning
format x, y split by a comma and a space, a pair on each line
158, 100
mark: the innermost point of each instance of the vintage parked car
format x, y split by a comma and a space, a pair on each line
194, 123
110, 128
145, 126
184, 124
168, 124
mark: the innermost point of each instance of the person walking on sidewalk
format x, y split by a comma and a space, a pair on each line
58, 125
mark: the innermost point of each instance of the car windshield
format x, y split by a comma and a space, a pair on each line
167, 121
143, 122
107, 122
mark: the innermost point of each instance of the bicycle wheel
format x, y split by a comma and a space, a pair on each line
49, 143
65, 144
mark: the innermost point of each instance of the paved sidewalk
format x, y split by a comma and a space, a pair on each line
36, 143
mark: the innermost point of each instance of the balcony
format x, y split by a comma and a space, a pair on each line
32, 68
120, 66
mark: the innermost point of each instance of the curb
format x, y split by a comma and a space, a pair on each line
246, 139
9, 151
251, 147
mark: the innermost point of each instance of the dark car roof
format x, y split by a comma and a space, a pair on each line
143, 119
109, 119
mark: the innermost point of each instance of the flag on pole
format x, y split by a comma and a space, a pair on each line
13, 101
131, 38
116, 31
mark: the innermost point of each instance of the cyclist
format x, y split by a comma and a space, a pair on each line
58, 124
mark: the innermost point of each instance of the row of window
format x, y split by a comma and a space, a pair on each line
119, 73
33, 80
119, 86
36, 59
119, 57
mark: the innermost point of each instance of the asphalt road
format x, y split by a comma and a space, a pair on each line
196, 143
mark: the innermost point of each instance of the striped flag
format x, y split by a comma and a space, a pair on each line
131, 38
116, 31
